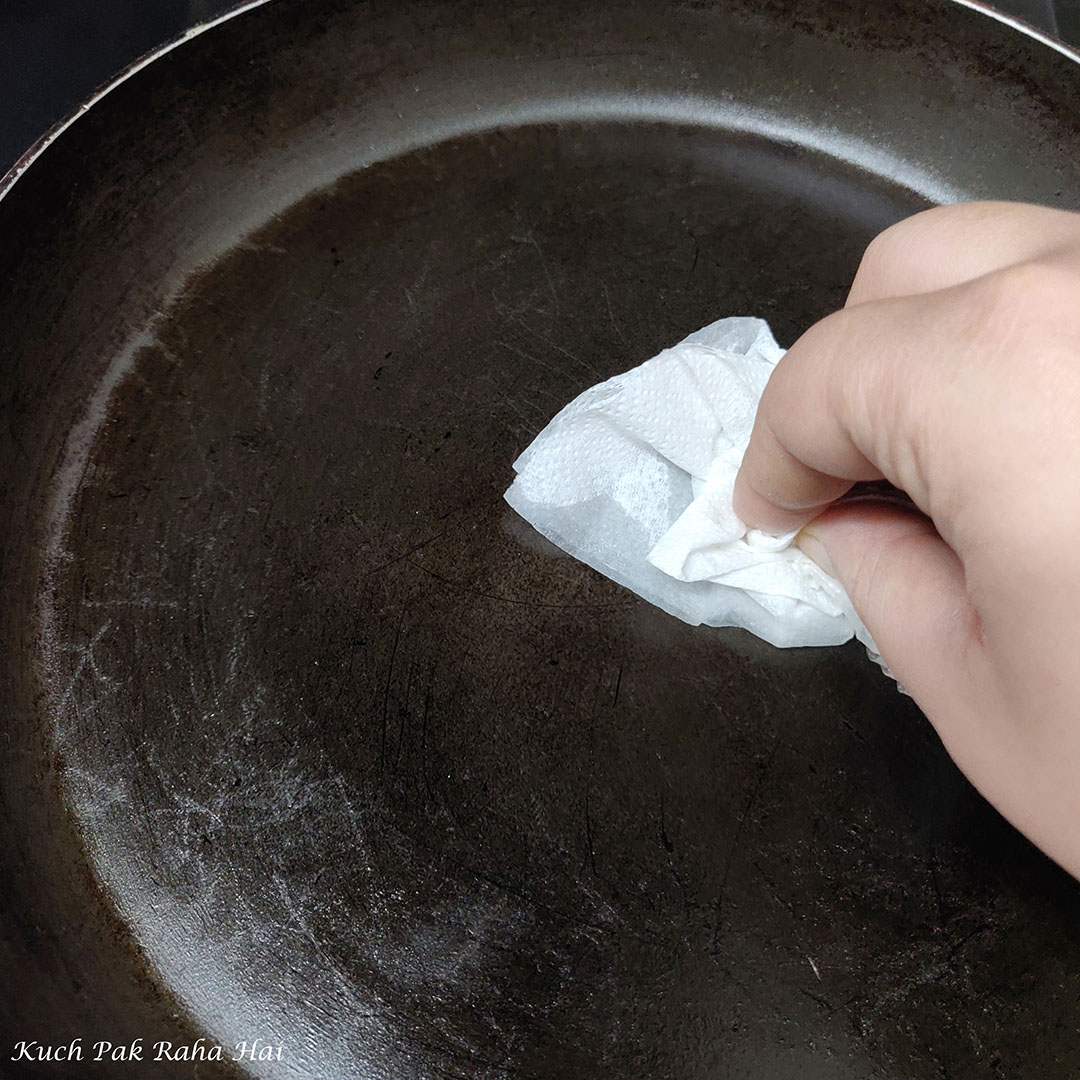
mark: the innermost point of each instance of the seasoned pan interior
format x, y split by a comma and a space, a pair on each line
314, 741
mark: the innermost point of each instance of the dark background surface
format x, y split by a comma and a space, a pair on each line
53, 53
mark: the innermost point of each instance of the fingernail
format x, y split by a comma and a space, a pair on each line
811, 546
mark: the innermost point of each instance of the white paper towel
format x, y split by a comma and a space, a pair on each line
635, 477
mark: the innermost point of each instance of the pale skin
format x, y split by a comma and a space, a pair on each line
953, 371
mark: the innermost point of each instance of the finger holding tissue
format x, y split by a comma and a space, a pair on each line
635, 477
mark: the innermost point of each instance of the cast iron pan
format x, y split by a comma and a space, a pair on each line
307, 738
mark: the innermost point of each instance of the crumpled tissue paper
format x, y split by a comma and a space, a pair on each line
635, 477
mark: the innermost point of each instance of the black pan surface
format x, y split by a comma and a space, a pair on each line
309, 740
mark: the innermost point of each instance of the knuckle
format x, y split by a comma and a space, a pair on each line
879, 256
900, 250
928, 249
1016, 301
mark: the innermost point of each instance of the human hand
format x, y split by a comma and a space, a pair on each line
953, 371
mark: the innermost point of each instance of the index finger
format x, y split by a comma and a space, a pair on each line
802, 455
871, 392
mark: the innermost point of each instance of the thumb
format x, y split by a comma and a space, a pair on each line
907, 586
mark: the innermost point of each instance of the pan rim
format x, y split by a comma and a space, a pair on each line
36, 149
